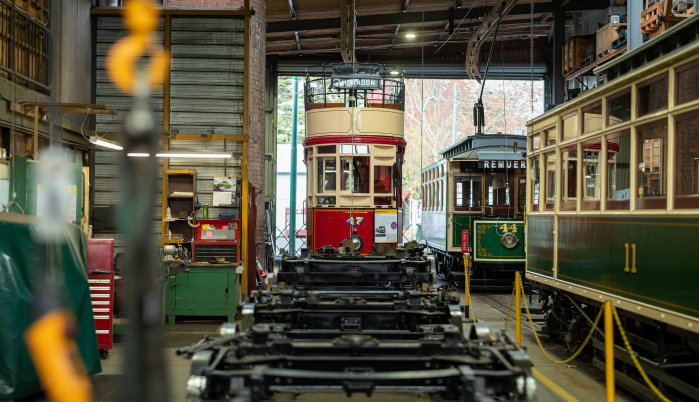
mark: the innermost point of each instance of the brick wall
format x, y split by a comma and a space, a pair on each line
256, 93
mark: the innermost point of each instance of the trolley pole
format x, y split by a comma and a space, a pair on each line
609, 349
292, 181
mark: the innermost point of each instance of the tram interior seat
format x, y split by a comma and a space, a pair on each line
321, 105
394, 106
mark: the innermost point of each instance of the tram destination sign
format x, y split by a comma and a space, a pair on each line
364, 81
502, 164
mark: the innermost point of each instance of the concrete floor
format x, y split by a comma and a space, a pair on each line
577, 380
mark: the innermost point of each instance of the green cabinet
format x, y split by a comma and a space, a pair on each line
203, 290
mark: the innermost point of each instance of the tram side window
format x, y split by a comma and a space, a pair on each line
345, 173
687, 82
618, 170
687, 162
467, 193
550, 194
651, 173
498, 189
570, 126
535, 184
619, 107
591, 178
382, 179
592, 117
569, 178
652, 95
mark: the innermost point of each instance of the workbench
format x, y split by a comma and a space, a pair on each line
202, 289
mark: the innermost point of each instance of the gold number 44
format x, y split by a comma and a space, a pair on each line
511, 228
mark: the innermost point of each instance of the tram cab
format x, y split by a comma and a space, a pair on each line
354, 149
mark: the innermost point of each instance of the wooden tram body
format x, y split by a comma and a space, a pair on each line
354, 150
478, 186
624, 227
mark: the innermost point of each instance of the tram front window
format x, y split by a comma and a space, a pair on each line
498, 190
360, 174
382, 179
467, 193
326, 175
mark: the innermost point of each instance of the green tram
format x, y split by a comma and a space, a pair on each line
613, 210
477, 190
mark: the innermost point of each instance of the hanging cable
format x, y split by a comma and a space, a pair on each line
531, 58
457, 27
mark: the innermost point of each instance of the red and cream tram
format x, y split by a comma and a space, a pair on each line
354, 152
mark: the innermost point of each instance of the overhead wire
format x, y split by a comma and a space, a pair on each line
456, 28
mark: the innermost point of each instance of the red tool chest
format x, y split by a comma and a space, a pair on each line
100, 276
221, 242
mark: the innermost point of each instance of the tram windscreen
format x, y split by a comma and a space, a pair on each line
360, 174
382, 179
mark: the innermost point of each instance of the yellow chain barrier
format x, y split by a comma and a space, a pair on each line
633, 357
509, 309
577, 352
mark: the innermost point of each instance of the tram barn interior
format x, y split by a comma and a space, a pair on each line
159, 242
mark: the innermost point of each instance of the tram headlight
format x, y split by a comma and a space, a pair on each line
509, 240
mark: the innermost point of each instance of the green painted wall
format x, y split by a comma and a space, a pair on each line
540, 244
592, 252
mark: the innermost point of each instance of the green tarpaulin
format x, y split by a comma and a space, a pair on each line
67, 269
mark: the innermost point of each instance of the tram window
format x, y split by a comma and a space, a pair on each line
619, 108
549, 137
535, 184
326, 149
360, 174
498, 189
652, 95
536, 142
330, 174
344, 174
382, 179
687, 82
592, 117
687, 162
569, 178
354, 149
591, 178
651, 151
618, 168
550, 194
570, 126
521, 193
382, 200
325, 200
467, 193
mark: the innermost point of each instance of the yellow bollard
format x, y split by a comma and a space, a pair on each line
467, 285
518, 308
609, 349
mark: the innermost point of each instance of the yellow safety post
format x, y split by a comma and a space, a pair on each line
609, 349
518, 308
467, 285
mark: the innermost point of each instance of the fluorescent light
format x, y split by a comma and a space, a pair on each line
394, 71
410, 35
193, 155
104, 143
138, 154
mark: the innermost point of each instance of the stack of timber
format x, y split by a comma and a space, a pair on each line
574, 53
606, 37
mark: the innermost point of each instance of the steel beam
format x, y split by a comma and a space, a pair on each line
558, 84
404, 6
292, 11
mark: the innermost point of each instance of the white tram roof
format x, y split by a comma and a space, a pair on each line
487, 147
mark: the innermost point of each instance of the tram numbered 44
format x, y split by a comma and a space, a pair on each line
478, 186
613, 211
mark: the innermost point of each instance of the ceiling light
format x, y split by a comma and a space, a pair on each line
138, 154
193, 155
105, 143
395, 71
410, 35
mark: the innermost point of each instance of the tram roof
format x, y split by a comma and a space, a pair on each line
487, 147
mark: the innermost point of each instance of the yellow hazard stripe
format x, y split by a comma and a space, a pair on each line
553, 386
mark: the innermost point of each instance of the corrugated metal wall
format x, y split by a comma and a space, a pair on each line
206, 93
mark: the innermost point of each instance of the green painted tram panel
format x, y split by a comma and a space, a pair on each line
648, 259
462, 222
488, 241
540, 244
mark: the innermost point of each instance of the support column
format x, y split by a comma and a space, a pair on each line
558, 42
634, 37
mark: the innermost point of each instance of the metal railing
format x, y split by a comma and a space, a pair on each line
24, 46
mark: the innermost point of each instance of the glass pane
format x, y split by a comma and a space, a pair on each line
618, 168
521, 193
459, 193
536, 142
652, 96
382, 179
619, 108
570, 126
592, 181
498, 190
569, 178
345, 179
687, 162
360, 174
354, 149
652, 166
592, 117
382, 200
550, 162
326, 149
688, 82
535, 184
319, 175
549, 137
330, 175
